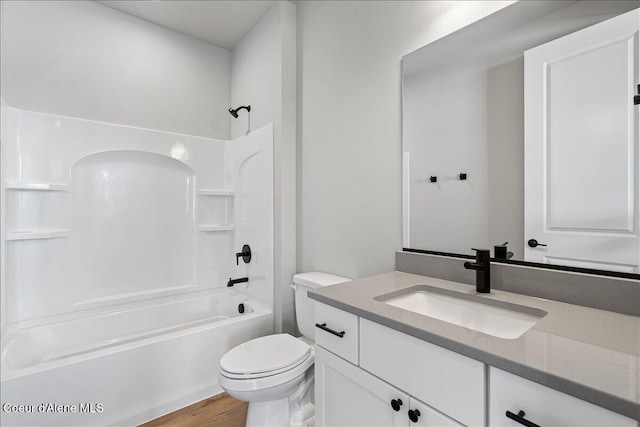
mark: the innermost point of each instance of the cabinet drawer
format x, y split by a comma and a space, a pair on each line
337, 331
543, 405
449, 382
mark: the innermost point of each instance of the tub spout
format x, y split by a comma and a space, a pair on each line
232, 282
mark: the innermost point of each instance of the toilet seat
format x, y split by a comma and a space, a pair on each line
235, 385
251, 383
263, 374
264, 356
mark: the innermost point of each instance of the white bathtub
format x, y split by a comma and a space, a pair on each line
125, 366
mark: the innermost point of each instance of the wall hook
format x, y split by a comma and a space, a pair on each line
433, 179
462, 176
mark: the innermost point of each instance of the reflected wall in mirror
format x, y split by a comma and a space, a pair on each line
545, 151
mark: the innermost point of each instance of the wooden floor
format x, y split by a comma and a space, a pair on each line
220, 410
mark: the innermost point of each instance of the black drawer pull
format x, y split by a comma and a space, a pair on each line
519, 418
331, 331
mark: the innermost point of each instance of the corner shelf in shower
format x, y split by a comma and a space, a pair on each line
216, 228
212, 192
35, 186
35, 234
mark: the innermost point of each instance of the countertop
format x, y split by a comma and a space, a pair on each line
590, 354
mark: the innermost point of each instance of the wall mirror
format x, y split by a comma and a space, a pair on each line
522, 128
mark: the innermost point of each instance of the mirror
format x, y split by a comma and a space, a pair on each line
464, 127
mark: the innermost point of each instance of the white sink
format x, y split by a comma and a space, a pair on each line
498, 318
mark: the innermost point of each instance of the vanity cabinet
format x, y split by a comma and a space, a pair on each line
542, 405
349, 396
392, 367
367, 374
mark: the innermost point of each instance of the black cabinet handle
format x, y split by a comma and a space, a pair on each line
331, 331
519, 418
396, 404
534, 243
413, 415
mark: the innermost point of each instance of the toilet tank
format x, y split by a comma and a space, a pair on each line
305, 311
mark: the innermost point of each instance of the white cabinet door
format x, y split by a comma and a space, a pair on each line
345, 395
543, 406
581, 148
426, 416
450, 382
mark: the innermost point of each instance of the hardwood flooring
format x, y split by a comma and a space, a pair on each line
220, 410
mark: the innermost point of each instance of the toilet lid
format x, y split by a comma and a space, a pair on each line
265, 354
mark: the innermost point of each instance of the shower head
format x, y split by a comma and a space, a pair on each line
234, 113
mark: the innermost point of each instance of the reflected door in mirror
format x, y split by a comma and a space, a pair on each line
581, 148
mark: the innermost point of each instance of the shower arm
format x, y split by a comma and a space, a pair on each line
234, 113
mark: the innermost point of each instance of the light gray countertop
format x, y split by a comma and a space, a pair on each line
591, 354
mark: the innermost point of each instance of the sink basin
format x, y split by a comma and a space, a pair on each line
498, 318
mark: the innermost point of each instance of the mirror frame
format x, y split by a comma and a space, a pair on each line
593, 271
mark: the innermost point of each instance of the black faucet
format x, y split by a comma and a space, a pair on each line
232, 282
501, 252
482, 264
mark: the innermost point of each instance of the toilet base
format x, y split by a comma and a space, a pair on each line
270, 413
278, 413
295, 409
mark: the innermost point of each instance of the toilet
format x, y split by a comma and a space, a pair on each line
274, 373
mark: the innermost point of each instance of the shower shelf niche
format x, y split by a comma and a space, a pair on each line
216, 228
36, 210
33, 186
215, 209
219, 193
36, 234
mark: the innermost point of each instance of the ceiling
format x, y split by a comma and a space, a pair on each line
220, 22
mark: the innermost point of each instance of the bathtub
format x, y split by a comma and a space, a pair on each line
127, 365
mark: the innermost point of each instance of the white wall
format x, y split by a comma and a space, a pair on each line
263, 75
83, 59
349, 125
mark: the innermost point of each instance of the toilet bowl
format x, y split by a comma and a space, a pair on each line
276, 384
274, 373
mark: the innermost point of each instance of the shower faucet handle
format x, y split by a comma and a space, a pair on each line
245, 254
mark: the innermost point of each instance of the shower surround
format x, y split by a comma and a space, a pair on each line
118, 243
